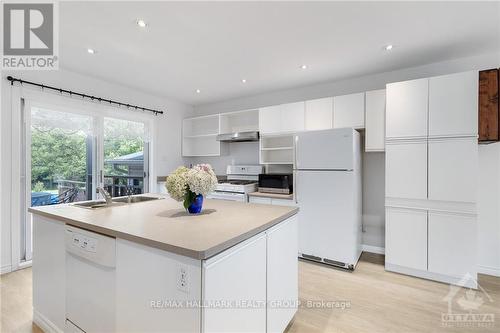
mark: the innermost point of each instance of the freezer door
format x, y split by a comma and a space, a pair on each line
329, 216
325, 150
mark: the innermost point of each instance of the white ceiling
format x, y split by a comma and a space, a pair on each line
211, 46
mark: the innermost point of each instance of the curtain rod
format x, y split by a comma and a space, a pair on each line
93, 98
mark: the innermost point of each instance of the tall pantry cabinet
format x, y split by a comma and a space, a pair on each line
431, 177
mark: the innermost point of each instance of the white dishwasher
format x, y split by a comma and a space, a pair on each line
90, 281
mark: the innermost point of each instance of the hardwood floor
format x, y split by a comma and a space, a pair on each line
375, 300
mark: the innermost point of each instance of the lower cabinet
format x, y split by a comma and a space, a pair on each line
452, 244
282, 278
272, 201
235, 276
406, 237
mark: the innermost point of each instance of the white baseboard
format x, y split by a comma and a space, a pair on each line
488, 270
45, 324
469, 283
6, 269
373, 249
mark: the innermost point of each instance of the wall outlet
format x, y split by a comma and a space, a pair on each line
183, 278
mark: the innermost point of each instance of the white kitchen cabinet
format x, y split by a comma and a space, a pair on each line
319, 114
259, 200
453, 169
284, 118
375, 121
236, 275
406, 109
349, 111
199, 136
406, 238
283, 202
292, 117
452, 244
453, 105
239, 121
282, 274
270, 119
406, 169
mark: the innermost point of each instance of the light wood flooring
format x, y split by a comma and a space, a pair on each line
379, 301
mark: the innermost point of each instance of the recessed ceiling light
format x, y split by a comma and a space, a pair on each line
141, 23
198, 91
303, 66
244, 80
91, 51
388, 47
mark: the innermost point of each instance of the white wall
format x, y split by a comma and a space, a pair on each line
167, 144
373, 173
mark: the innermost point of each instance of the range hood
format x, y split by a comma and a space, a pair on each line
239, 136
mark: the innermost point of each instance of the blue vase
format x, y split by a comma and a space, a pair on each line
196, 205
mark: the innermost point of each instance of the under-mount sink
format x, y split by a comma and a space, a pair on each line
94, 204
134, 199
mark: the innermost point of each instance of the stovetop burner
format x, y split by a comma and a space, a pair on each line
237, 182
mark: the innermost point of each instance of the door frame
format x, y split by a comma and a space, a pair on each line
21, 101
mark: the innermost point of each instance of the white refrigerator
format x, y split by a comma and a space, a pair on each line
328, 192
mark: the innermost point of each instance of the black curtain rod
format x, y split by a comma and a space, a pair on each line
93, 98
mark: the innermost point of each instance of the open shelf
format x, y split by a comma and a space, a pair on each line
277, 149
199, 126
240, 121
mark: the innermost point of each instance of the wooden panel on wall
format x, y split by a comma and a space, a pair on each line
489, 121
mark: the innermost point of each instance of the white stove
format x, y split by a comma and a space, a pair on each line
241, 180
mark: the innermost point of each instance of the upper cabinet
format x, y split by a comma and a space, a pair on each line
489, 112
319, 114
349, 111
406, 109
453, 103
283, 118
199, 136
240, 121
375, 121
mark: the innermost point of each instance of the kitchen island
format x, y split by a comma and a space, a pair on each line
150, 267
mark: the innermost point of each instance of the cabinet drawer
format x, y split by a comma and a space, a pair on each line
259, 200
453, 170
283, 202
452, 244
406, 170
406, 112
406, 238
453, 104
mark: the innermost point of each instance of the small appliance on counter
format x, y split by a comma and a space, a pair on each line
276, 183
241, 180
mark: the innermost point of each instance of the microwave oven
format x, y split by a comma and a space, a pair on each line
281, 183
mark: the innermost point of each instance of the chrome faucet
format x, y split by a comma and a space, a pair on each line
106, 195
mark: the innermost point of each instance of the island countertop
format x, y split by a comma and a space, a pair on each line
164, 224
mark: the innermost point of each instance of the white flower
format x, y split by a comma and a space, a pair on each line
201, 179
177, 183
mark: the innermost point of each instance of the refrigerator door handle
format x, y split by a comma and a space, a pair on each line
295, 182
295, 166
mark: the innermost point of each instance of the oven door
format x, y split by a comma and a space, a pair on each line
230, 196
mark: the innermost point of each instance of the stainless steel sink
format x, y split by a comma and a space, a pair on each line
96, 204
120, 201
135, 199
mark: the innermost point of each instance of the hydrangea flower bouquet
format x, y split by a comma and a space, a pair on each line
190, 185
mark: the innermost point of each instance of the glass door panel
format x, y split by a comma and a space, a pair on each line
125, 153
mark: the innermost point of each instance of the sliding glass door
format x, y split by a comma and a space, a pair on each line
68, 154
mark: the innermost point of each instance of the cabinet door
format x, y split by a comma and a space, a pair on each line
375, 120
406, 170
349, 111
259, 200
453, 169
292, 117
406, 238
236, 275
452, 244
270, 119
282, 274
406, 111
453, 104
319, 114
